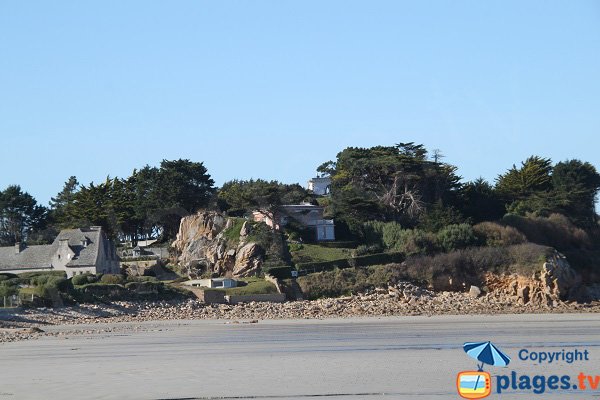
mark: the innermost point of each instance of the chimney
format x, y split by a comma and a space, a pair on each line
19, 247
95, 228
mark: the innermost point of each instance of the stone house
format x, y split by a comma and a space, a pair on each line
306, 214
75, 251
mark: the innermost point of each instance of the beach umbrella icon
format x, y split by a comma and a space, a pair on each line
487, 353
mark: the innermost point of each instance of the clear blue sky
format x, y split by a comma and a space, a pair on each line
272, 89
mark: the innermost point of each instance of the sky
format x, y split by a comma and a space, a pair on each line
272, 89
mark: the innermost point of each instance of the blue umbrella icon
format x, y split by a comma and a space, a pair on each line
487, 353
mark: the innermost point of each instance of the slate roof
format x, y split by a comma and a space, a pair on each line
40, 256
30, 257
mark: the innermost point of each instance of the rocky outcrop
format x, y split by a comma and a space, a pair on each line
555, 282
201, 247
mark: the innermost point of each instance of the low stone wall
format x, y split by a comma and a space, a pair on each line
210, 296
273, 298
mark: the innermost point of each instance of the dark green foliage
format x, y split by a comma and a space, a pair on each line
576, 186
455, 237
388, 183
241, 197
439, 216
84, 279
20, 216
280, 272
150, 200
479, 201
532, 178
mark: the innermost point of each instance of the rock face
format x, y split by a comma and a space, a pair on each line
556, 282
202, 247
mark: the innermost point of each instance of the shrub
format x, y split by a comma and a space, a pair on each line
556, 231
112, 279
392, 234
364, 249
414, 242
372, 232
454, 237
295, 246
84, 279
7, 290
494, 234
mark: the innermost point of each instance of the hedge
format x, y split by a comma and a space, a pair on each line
362, 261
280, 272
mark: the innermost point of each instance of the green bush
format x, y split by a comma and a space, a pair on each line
372, 232
494, 234
7, 290
455, 237
84, 279
112, 279
392, 234
414, 242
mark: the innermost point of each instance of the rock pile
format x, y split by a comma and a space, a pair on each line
401, 299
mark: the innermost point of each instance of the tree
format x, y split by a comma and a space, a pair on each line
392, 183
240, 197
533, 177
576, 184
20, 215
61, 204
527, 189
480, 201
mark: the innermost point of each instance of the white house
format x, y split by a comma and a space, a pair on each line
319, 185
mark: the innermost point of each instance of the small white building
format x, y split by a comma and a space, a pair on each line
213, 283
320, 185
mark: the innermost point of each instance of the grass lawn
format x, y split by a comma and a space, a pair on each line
254, 286
314, 253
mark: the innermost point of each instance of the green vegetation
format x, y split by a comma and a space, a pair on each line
252, 286
232, 234
315, 253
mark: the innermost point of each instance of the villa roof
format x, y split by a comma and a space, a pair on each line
40, 256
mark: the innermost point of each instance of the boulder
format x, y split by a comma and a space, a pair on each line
201, 247
474, 291
248, 260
